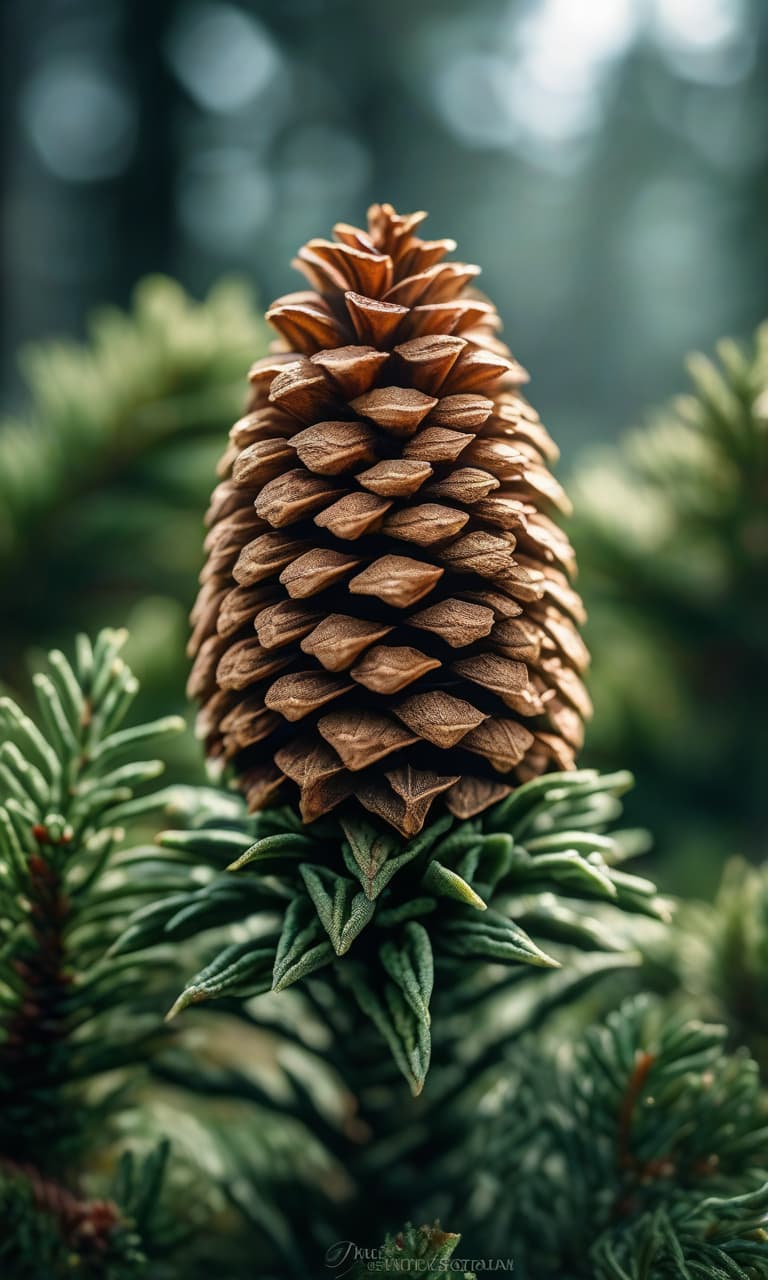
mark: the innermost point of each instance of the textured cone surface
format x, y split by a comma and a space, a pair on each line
386, 617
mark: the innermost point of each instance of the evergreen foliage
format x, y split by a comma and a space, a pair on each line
48, 1232
638, 1152
734, 931
90, 1079
574, 1133
68, 788
392, 915
716, 957
105, 472
671, 529
70, 1019
425, 1249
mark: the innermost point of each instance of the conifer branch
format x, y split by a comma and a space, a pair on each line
67, 1015
639, 1152
391, 918
112, 455
672, 537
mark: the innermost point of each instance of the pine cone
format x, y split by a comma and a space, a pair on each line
386, 613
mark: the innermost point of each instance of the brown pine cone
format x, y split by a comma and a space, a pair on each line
386, 615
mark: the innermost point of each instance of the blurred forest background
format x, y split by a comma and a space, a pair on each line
606, 161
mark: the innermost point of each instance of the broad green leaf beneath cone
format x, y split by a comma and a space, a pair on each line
410, 964
449, 884
370, 846
243, 968
493, 937
580, 841
406, 1033
343, 910
568, 869
374, 861
508, 812
330, 882
289, 845
555, 921
303, 946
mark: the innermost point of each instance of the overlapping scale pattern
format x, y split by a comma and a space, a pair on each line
386, 616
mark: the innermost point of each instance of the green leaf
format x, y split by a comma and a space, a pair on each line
149, 1182
303, 945
289, 844
638, 894
70, 692
147, 925
410, 964
508, 812
198, 805
243, 968
581, 841
11, 847
373, 864
218, 903
493, 937
112, 746
494, 858
555, 921
28, 737
568, 870
370, 847
205, 840
33, 783
406, 1034
343, 910
449, 884
60, 732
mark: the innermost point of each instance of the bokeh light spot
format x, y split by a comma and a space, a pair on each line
82, 122
223, 56
707, 41
223, 198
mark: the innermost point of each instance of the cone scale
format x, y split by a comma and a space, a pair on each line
386, 618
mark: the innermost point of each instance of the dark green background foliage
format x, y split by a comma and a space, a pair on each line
672, 531
105, 473
640, 1150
